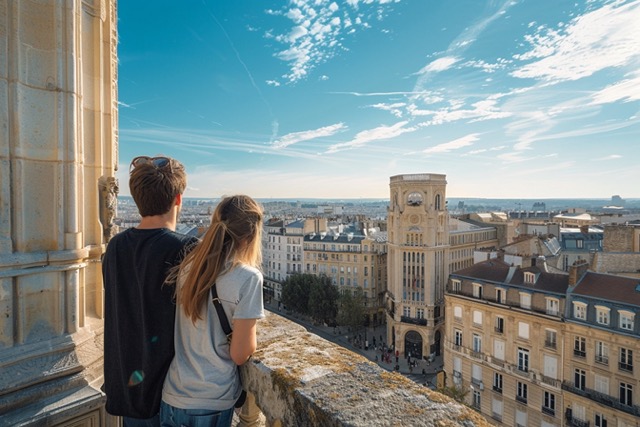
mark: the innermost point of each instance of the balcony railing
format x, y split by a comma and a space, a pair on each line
603, 360
576, 422
549, 411
602, 398
413, 320
549, 344
521, 399
550, 381
579, 353
514, 304
625, 367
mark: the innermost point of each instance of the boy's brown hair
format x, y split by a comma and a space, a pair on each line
154, 183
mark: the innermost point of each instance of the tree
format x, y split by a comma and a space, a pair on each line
323, 300
351, 308
295, 292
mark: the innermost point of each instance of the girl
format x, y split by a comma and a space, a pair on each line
203, 383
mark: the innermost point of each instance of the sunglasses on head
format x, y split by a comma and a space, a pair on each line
158, 162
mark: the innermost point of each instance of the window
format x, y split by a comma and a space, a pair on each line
553, 306
602, 315
477, 343
497, 382
500, 295
580, 310
523, 330
498, 349
529, 277
521, 418
626, 320
458, 338
456, 286
580, 347
600, 420
521, 392
626, 359
626, 394
477, 318
523, 360
601, 384
457, 313
496, 409
420, 313
406, 311
579, 379
525, 300
602, 353
550, 338
476, 399
477, 290
499, 324
549, 403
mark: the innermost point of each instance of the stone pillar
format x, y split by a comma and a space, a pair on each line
58, 142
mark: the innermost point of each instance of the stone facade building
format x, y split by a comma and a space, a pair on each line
532, 347
58, 155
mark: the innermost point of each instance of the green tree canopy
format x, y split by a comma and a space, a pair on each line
323, 300
351, 308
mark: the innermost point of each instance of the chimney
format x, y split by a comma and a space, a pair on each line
584, 229
541, 263
577, 270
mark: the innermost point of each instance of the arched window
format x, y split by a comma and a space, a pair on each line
437, 202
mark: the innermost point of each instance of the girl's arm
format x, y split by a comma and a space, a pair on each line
243, 340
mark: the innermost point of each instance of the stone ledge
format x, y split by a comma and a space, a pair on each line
298, 378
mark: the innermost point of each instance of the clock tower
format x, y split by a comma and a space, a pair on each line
418, 263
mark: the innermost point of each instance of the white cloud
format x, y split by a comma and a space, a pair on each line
610, 157
603, 38
273, 83
624, 90
318, 32
439, 64
366, 136
296, 137
456, 144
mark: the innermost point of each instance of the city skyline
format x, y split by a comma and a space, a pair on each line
328, 100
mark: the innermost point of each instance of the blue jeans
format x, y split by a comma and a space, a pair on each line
137, 422
176, 417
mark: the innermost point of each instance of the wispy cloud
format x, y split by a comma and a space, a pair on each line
296, 137
625, 90
456, 144
603, 38
609, 157
439, 64
370, 135
318, 31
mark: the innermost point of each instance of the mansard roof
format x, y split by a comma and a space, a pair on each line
608, 287
501, 273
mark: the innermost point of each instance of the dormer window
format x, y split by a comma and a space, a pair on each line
525, 300
529, 277
602, 315
580, 310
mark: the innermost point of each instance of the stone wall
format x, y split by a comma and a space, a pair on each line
300, 379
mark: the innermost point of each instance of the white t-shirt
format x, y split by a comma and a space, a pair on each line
202, 374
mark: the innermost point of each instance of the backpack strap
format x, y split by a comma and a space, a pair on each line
224, 322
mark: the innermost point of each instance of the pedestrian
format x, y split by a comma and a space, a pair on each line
222, 272
139, 308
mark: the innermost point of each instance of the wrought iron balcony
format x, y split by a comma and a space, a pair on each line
413, 320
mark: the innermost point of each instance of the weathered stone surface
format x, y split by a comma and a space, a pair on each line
299, 379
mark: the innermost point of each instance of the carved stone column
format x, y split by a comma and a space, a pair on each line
58, 120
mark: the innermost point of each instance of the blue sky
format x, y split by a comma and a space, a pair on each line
328, 99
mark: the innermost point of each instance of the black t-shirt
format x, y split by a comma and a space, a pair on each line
139, 317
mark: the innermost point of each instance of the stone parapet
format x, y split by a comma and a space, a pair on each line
300, 379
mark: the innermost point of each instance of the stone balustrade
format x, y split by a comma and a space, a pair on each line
296, 378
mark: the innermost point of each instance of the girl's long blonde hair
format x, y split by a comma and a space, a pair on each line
233, 238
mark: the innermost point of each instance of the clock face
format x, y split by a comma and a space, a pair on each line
414, 199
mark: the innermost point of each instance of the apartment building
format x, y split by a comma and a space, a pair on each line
535, 348
351, 261
601, 385
502, 346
